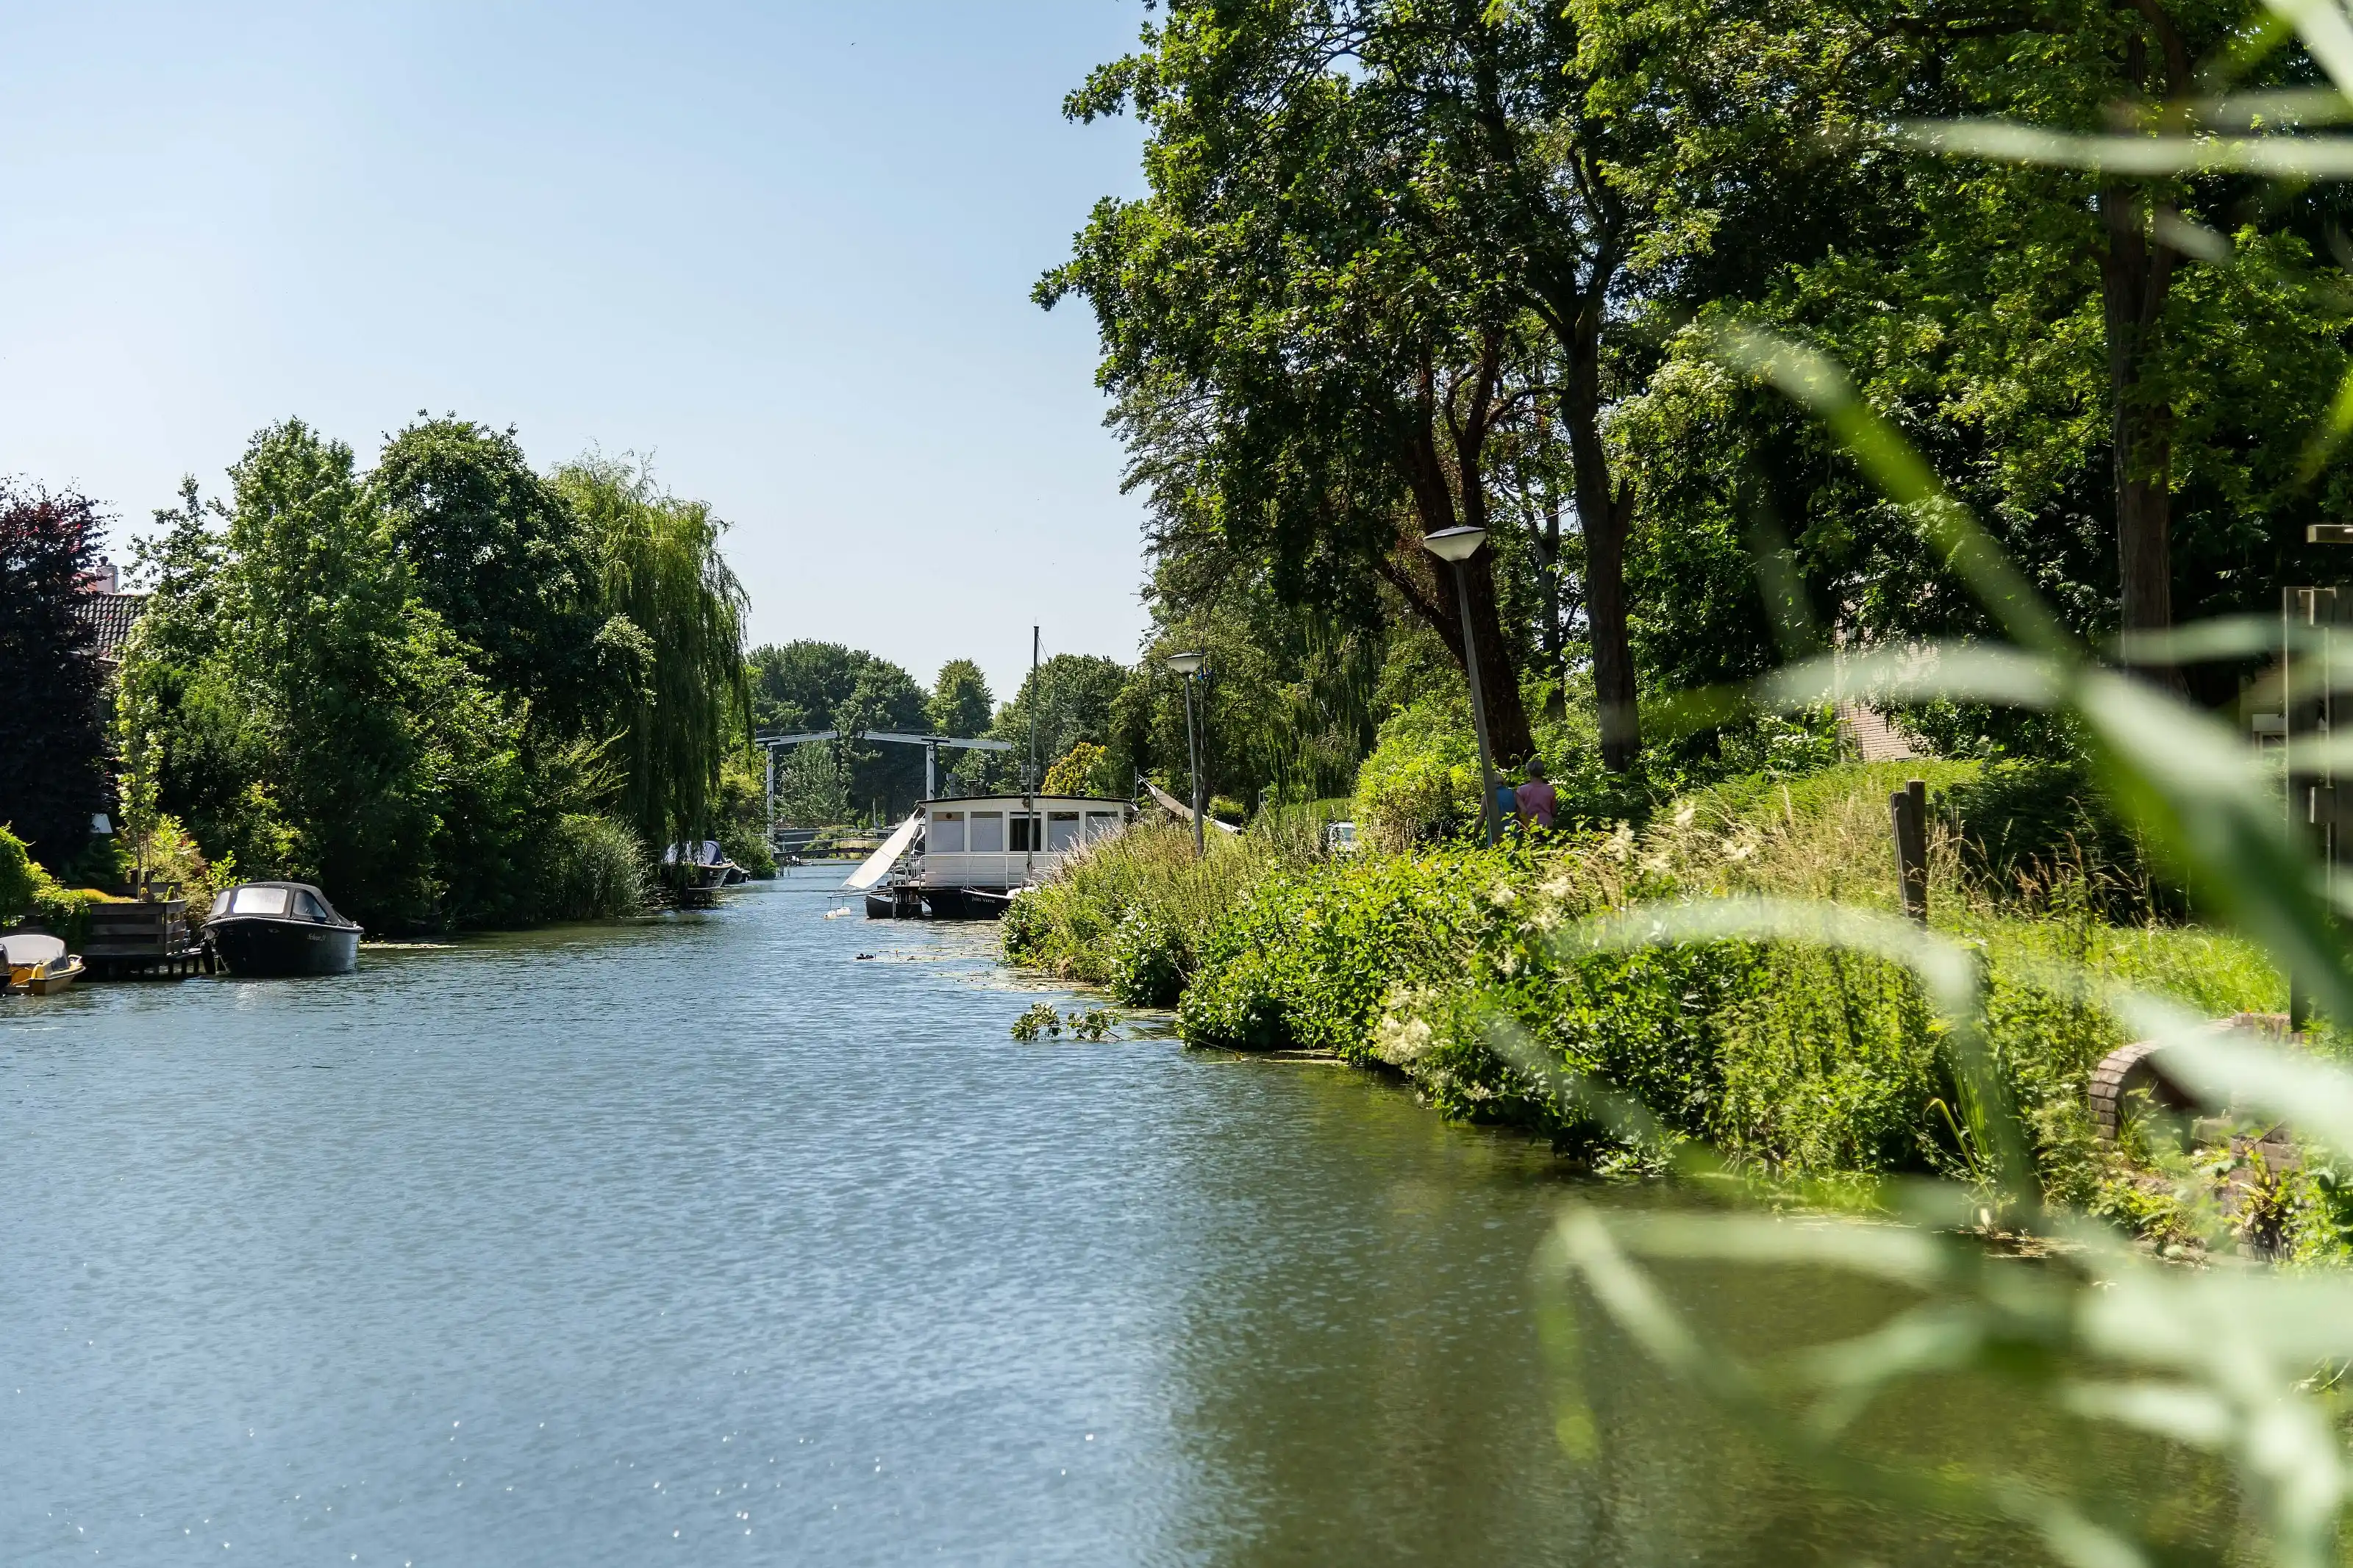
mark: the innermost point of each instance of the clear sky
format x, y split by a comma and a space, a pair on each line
786, 249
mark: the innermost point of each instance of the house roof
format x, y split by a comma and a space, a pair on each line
113, 615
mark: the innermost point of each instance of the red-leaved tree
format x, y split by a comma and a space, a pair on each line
52, 732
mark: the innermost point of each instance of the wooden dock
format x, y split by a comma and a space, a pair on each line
150, 940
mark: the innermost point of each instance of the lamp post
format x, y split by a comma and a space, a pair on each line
1188, 667
1455, 546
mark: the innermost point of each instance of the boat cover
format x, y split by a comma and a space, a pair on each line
877, 865
30, 947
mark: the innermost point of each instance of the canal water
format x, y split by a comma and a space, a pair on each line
751, 1237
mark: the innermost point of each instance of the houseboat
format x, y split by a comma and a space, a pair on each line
965, 859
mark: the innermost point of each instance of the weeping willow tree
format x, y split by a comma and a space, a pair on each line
672, 639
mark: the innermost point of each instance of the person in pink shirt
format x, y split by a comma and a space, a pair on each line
1537, 799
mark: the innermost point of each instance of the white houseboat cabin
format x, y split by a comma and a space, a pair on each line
963, 859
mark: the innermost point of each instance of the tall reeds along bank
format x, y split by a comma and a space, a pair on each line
591, 867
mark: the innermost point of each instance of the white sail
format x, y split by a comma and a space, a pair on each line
877, 865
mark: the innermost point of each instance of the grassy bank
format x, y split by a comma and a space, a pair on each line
1460, 969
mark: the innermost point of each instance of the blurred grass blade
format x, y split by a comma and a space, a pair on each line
1978, 672
2207, 808
2334, 425
2185, 1414
2221, 637
2322, 25
2288, 106
2007, 141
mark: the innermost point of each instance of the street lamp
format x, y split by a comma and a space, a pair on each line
1455, 546
1189, 665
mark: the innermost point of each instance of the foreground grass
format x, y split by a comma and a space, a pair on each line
1460, 969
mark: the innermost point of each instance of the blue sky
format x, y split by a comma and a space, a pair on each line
785, 249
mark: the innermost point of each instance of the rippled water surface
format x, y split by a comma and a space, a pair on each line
712, 1239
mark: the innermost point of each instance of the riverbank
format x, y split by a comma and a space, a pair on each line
1458, 970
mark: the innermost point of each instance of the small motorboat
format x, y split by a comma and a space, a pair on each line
39, 964
698, 867
281, 928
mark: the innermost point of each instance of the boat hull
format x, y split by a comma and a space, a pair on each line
965, 903
252, 945
54, 978
45, 979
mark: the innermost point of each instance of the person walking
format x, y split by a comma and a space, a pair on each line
1536, 799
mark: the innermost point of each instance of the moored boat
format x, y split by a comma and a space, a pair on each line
281, 928
39, 964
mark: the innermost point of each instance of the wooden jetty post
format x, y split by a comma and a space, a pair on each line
1909, 807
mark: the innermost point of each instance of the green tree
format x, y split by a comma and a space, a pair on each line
493, 550
889, 774
372, 736
2032, 328
1381, 236
799, 685
960, 702
813, 788
1071, 697
806, 685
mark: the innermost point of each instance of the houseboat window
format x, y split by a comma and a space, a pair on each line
259, 902
1026, 834
988, 832
310, 908
1061, 829
1102, 825
946, 834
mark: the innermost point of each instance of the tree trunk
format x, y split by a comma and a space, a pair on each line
2136, 277
1499, 681
1613, 649
1446, 493
1432, 598
1607, 515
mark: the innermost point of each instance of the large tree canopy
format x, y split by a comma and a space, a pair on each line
495, 552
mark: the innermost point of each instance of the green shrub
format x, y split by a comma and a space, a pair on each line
591, 867
1452, 968
1306, 960
1149, 960
20, 879
1073, 926
1422, 776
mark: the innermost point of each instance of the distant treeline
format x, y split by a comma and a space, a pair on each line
802, 687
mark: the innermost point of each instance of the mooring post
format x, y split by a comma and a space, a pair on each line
1908, 808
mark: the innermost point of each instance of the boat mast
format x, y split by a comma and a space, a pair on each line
1028, 807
